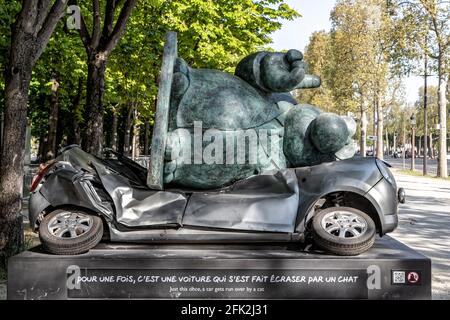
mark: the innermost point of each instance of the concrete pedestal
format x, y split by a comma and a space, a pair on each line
390, 270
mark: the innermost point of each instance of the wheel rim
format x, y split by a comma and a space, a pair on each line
344, 224
70, 225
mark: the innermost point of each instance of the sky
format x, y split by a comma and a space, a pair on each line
316, 16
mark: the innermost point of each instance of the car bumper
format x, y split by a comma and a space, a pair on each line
36, 205
385, 198
390, 223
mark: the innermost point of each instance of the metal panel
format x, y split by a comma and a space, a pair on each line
267, 202
138, 207
356, 175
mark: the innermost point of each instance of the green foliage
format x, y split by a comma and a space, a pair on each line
64, 60
211, 34
8, 10
317, 56
433, 111
361, 61
216, 34
353, 58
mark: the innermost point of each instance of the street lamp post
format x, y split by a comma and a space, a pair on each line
413, 144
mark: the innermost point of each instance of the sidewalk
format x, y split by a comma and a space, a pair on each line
424, 225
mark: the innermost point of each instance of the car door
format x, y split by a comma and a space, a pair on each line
266, 202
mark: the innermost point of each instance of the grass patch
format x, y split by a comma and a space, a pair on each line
31, 239
417, 173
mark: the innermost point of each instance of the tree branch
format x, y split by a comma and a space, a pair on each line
49, 25
109, 18
119, 28
83, 31
84, 34
96, 25
28, 15
43, 7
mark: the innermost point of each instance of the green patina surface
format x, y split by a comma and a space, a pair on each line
253, 104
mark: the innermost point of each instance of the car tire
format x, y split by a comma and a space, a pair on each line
70, 231
336, 230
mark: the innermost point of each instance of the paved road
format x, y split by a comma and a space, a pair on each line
431, 164
424, 224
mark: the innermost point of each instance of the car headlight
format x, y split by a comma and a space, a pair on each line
385, 172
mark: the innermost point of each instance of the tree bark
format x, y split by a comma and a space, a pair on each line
374, 132
99, 46
92, 141
12, 158
442, 101
394, 142
30, 34
146, 137
387, 143
419, 149
363, 132
380, 129
404, 141
136, 136
75, 136
114, 130
431, 146
127, 131
41, 148
61, 138
50, 146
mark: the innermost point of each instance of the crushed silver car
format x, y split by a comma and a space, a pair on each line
79, 199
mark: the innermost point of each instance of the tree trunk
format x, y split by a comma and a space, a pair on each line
388, 151
30, 34
362, 145
127, 131
114, 130
394, 142
40, 154
18, 76
76, 105
99, 46
50, 146
1, 130
374, 132
419, 149
431, 146
442, 101
136, 135
146, 137
404, 141
380, 129
61, 139
93, 139
12, 158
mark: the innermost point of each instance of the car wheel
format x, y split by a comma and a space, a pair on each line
343, 231
70, 231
